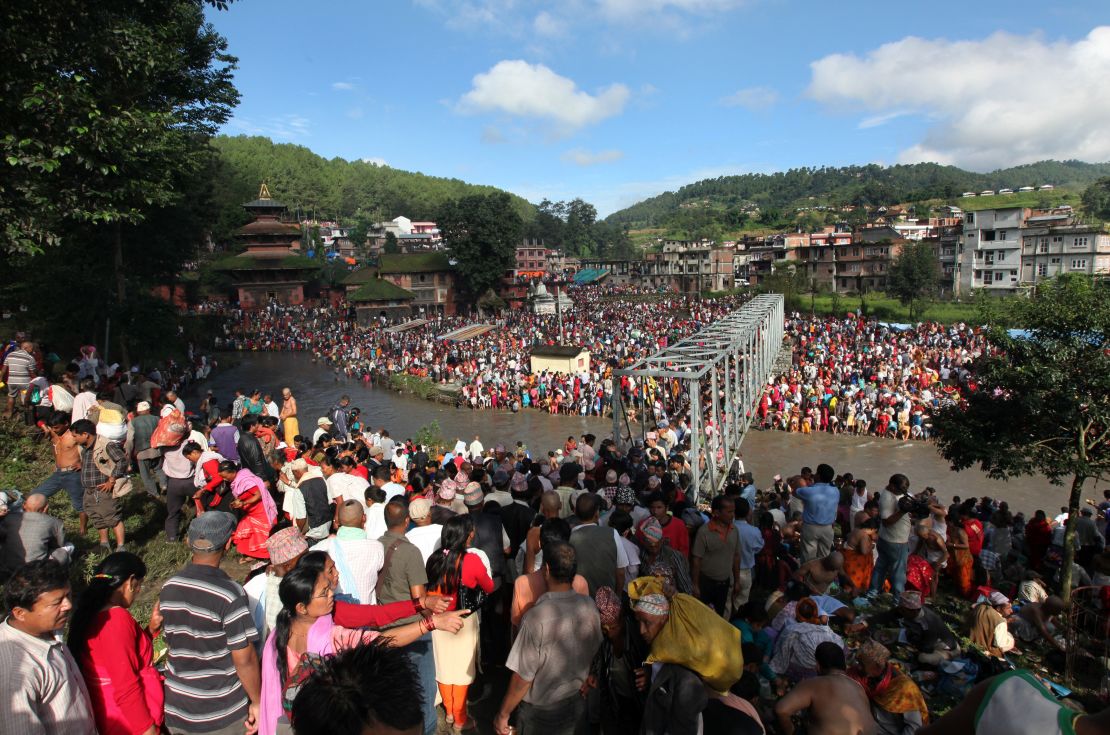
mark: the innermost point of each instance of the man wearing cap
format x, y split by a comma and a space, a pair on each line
658, 552
286, 547
446, 502
148, 460
212, 671
517, 516
551, 657
676, 695
315, 519
500, 493
323, 429
358, 559
424, 534
925, 629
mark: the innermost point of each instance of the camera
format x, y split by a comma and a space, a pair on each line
917, 508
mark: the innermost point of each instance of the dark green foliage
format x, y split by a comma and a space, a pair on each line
1096, 199
482, 231
1043, 403
913, 276
723, 200
574, 227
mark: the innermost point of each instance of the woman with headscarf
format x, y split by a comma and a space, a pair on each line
795, 649
257, 508
619, 656
896, 701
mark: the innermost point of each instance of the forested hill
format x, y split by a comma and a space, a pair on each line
331, 189
870, 185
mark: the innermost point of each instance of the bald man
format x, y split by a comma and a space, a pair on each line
531, 558
817, 575
32, 535
829, 704
358, 559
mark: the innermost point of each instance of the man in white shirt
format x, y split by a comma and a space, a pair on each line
173, 399
425, 535
271, 406
83, 401
343, 486
358, 559
383, 481
476, 448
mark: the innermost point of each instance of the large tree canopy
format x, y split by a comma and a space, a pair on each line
104, 106
1043, 404
914, 276
482, 231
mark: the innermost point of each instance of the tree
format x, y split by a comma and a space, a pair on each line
391, 247
1096, 199
914, 275
1043, 403
482, 232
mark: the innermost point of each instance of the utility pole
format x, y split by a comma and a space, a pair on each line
559, 312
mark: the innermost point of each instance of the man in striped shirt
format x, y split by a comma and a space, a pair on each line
212, 675
18, 369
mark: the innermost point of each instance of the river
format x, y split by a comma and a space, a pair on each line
765, 452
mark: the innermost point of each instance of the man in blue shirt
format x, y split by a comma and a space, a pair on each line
819, 504
749, 490
751, 543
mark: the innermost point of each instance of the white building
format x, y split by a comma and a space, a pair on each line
1055, 243
990, 255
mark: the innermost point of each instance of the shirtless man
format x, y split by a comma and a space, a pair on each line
67, 461
818, 574
1035, 619
830, 704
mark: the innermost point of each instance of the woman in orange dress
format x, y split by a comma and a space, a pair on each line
259, 512
859, 559
961, 564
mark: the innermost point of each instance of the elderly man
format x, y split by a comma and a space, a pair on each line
424, 534
33, 535
317, 516
829, 704
676, 695
989, 628
358, 559
896, 701
656, 552
925, 629
551, 656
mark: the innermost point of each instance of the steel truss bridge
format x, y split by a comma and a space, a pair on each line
725, 366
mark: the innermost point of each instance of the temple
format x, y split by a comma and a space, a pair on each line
271, 267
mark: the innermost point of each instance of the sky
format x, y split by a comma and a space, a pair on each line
618, 100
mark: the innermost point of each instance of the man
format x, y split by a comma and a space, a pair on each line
18, 370
1035, 622
357, 558
84, 401
44, 691
751, 543
600, 553
1087, 538
817, 575
324, 427
894, 537
500, 493
386, 443
748, 491
568, 483
403, 577
342, 485
551, 656
148, 459
360, 690
383, 479
173, 400
925, 629
338, 418
318, 510
819, 505
67, 463
251, 454
213, 681
531, 586
674, 530
272, 409
226, 437
830, 704
424, 534
676, 695
658, 552
33, 535
476, 448
103, 463
180, 475
715, 556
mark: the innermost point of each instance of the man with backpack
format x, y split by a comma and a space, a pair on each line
103, 466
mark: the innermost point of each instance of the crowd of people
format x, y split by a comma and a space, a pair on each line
378, 579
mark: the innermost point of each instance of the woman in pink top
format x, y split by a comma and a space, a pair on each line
305, 634
259, 513
115, 655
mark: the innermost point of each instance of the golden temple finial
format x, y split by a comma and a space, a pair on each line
264, 192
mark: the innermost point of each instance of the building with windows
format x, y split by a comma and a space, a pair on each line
991, 252
1055, 243
428, 280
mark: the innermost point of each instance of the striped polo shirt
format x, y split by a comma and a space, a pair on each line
206, 618
21, 367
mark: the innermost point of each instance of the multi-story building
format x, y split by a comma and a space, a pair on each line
690, 267
819, 255
428, 279
865, 264
763, 253
531, 256
991, 251
1056, 243
947, 243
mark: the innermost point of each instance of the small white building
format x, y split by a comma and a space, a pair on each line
565, 359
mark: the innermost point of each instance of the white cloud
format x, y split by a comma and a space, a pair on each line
752, 98
640, 8
548, 25
284, 127
493, 136
375, 161
583, 157
342, 86
999, 101
521, 89
877, 120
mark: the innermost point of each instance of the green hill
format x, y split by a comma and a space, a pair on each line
329, 188
730, 203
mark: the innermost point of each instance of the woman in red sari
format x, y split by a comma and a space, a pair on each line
1038, 537
259, 513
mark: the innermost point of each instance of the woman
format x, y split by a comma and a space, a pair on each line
1038, 537
961, 565
452, 571
259, 513
211, 491
924, 564
254, 405
305, 633
859, 555
989, 628
896, 701
288, 416
116, 656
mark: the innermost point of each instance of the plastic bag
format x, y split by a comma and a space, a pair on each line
171, 430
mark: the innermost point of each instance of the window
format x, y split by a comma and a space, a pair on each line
1079, 242
1055, 261
1043, 247
1001, 255
1042, 269
1079, 264
1002, 234
969, 218
1057, 239
988, 235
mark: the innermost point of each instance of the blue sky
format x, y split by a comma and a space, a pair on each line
617, 100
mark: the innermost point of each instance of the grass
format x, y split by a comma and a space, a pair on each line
885, 308
1032, 199
26, 459
414, 384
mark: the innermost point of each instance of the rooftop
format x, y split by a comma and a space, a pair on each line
246, 262
379, 289
557, 351
416, 263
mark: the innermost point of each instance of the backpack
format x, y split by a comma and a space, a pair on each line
171, 430
107, 466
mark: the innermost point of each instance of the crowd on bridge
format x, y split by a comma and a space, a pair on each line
586, 588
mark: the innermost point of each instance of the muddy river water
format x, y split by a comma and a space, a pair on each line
765, 452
